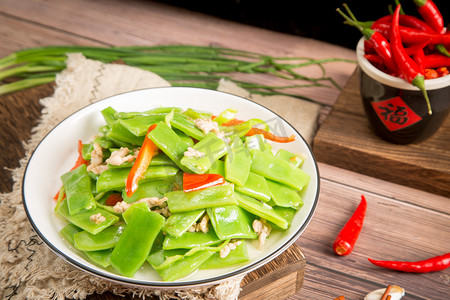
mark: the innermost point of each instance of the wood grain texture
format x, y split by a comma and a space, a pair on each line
405, 223
346, 140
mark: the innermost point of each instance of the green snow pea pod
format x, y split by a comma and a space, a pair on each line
122, 136
166, 139
293, 159
278, 170
226, 115
286, 212
185, 266
190, 240
138, 126
106, 239
243, 128
257, 142
177, 224
103, 142
77, 184
151, 188
154, 111
186, 125
218, 167
186, 138
284, 196
82, 219
127, 214
255, 187
68, 232
231, 222
158, 160
109, 114
220, 195
136, 241
237, 162
100, 257
197, 114
262, 210
163, 258
115, 179
236, 256
212, 147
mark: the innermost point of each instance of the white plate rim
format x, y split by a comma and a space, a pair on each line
175, 284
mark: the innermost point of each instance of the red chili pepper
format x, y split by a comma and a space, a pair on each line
436, 61
146, 153
407, 67
431, 14
408, 21
379, 42
418, 57
113, 199
412, 35
346, 239
195, 182
80, 161
233, 122
270, 136
437, 263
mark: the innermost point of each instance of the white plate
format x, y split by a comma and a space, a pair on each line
57, 153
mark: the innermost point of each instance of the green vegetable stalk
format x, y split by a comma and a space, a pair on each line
181, 65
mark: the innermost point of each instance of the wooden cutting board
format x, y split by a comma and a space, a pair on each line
345, 140
19, 113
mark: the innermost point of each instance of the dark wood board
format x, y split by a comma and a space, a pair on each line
345, 140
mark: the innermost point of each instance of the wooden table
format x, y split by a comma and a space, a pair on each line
402, 223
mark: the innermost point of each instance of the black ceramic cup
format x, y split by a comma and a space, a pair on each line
397, 110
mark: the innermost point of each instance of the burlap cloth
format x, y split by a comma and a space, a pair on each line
28, 268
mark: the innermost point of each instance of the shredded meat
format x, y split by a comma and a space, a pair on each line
208, 126
96, 165
122, 206
200, 226
262, 229
120, 156
226, 250
191, 152
97, 218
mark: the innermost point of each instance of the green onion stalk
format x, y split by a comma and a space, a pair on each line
181, 65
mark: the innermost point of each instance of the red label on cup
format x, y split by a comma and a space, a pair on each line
395, 114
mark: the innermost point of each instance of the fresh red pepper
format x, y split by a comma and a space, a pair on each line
437, 263
195, 182
436, 61
418, 57
346, 239
431, 14
80, 160
412, 35
408, 21
270, 136
379, 42
143, 159
233, 122
407, 67
113, 199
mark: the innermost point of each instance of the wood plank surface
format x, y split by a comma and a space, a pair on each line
402, 222
346, 140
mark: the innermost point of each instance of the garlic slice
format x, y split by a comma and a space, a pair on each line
396, 293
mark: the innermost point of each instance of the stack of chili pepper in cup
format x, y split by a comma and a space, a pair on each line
406, 46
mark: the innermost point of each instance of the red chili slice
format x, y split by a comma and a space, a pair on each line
195, 182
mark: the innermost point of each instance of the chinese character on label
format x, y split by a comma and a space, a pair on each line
395, 114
